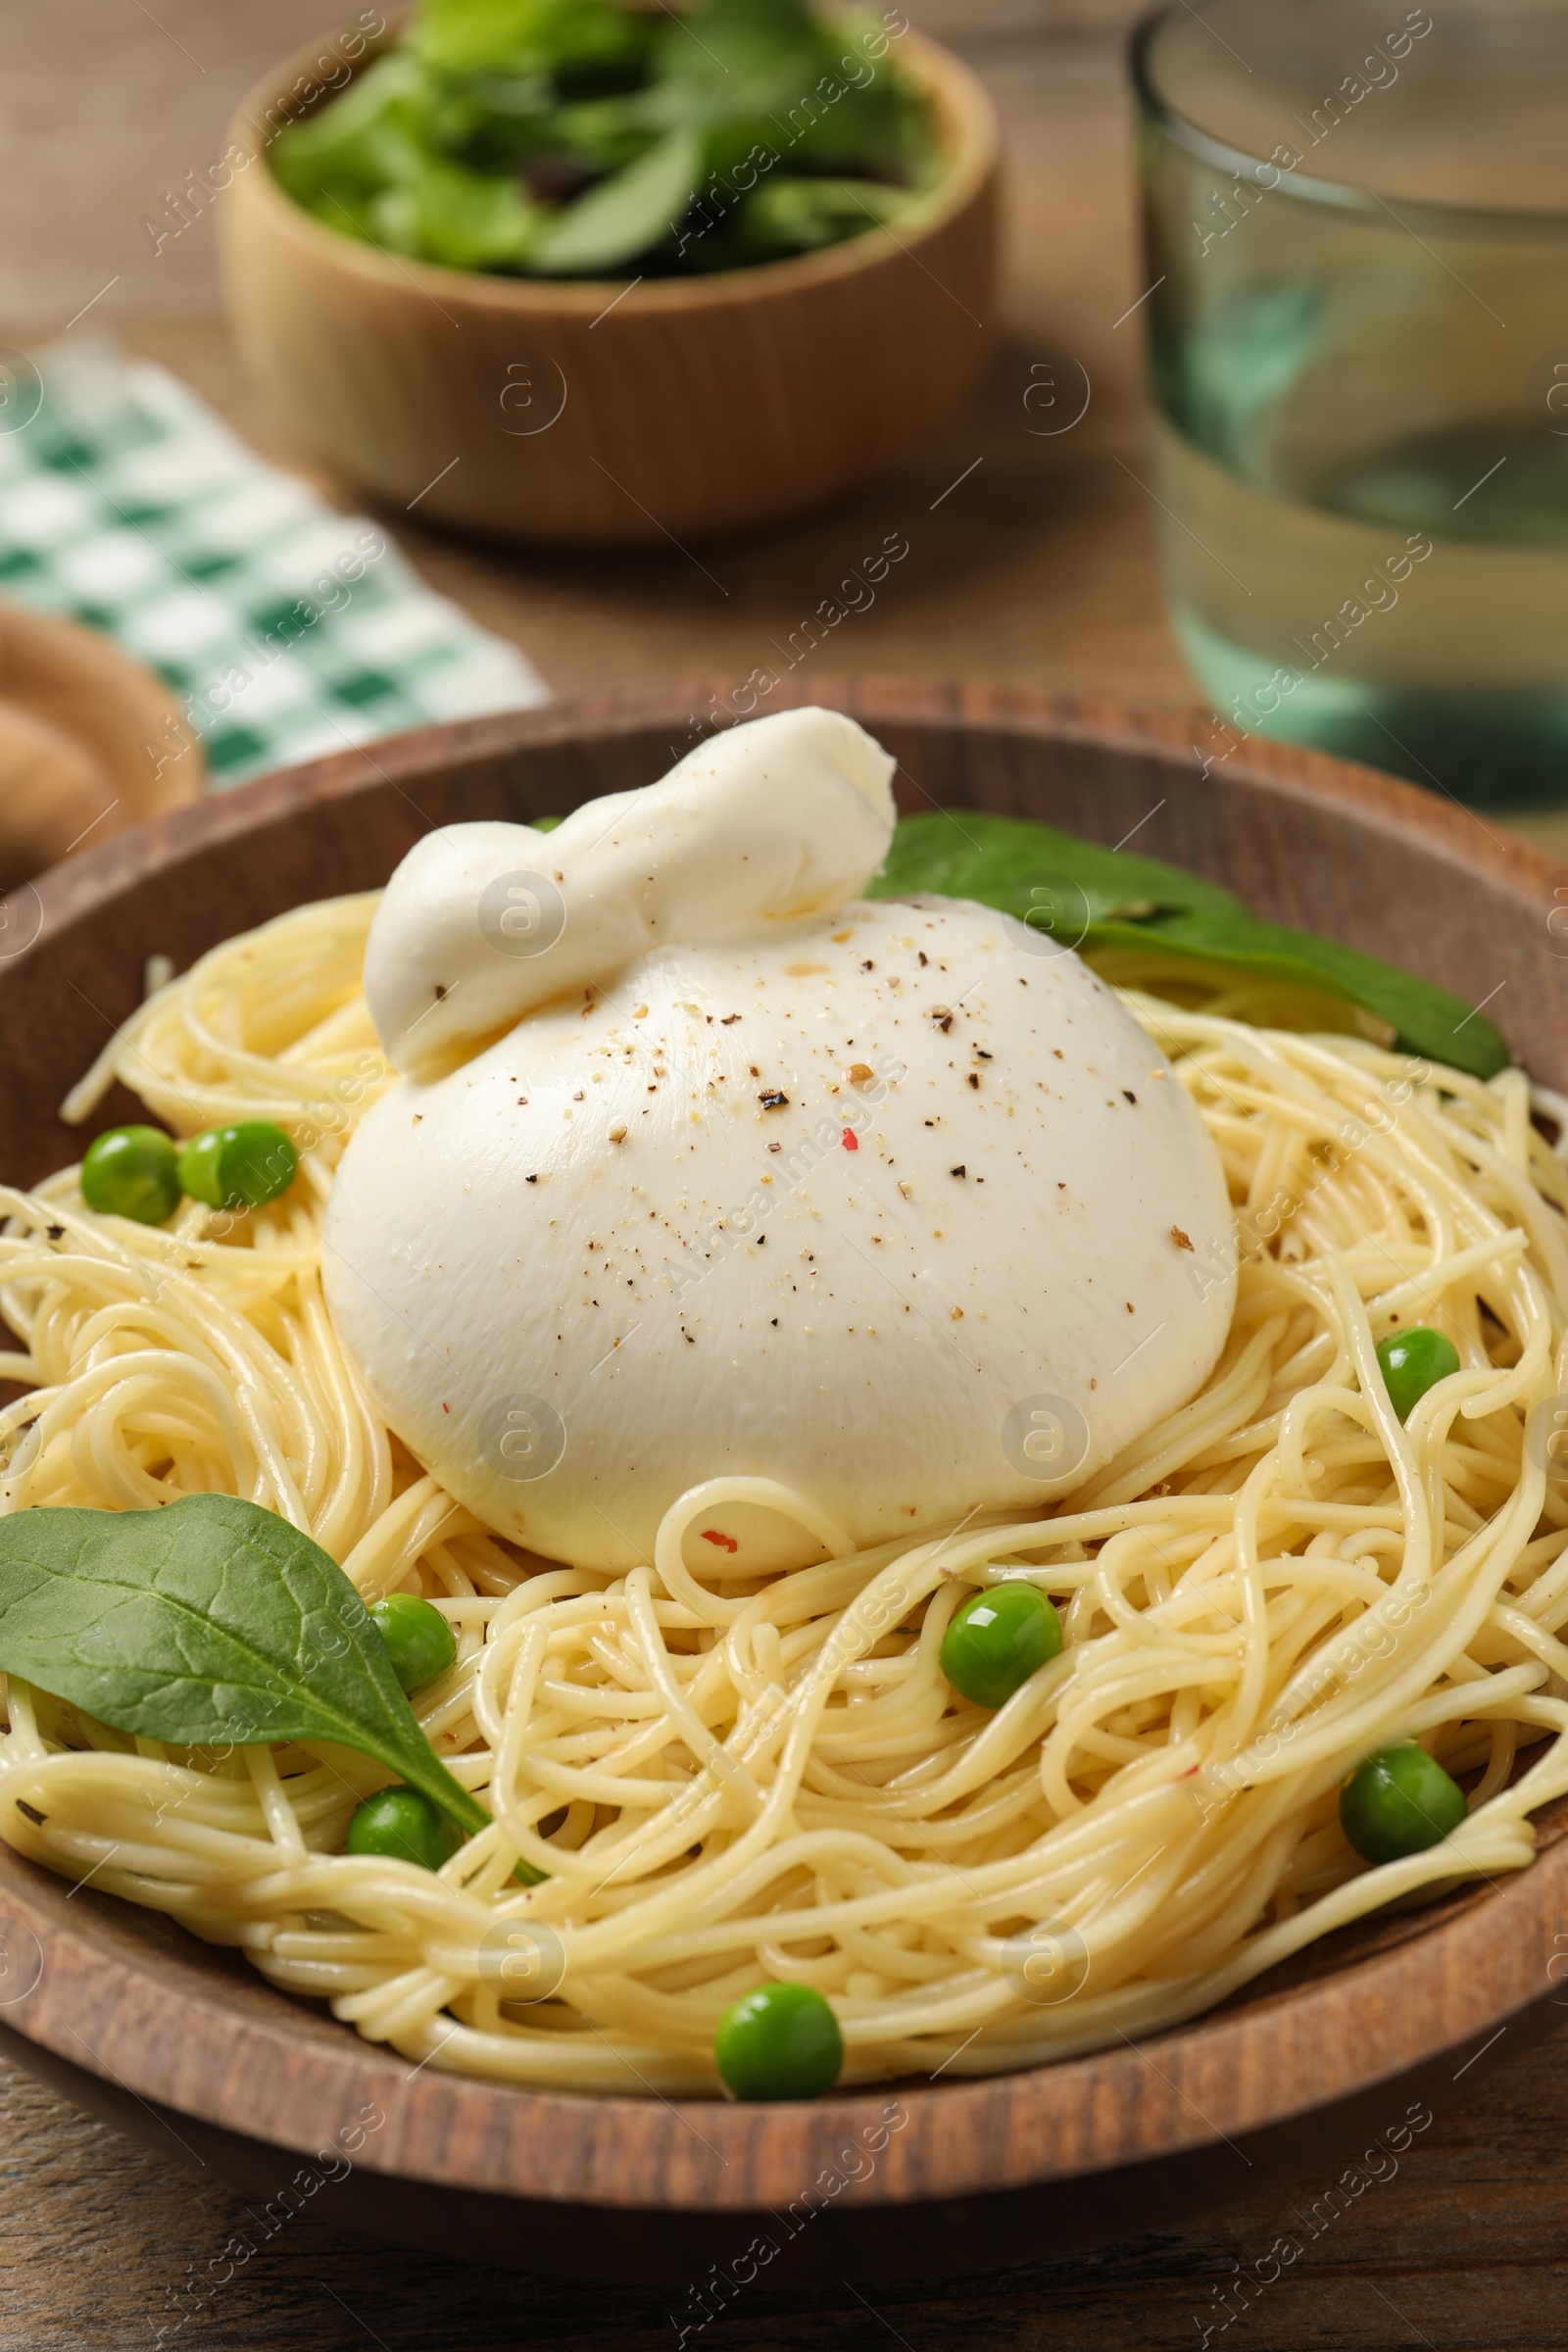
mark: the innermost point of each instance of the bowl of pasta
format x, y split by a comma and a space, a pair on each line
757, 1497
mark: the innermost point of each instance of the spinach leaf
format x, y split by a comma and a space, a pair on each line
466, 220
527, 36
1003, 860
1104, 899
1426, 1019
744, 38
802, 215
625, 215
576, 139
208, 1623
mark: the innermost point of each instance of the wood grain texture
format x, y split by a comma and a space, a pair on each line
621, 412
1122, 2136
1461, 2250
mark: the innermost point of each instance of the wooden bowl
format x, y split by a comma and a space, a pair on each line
582, 412
187, 2046
90, 740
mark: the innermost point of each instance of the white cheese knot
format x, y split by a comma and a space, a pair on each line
480, 924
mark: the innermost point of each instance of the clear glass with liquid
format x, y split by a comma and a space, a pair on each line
1358, 236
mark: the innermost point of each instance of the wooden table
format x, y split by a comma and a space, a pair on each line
1037, 567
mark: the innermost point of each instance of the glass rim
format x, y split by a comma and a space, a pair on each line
1339, 195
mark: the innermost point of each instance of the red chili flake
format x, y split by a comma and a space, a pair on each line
446, 1409
847, 1140
710, 1535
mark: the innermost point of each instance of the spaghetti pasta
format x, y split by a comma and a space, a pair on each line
726, 1778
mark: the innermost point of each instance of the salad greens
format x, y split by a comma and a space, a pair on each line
1081, 895
209, 1623
578, 138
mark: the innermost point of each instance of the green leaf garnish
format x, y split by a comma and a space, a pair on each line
1106, 902
1002, 861
1426, 1019
207, 1624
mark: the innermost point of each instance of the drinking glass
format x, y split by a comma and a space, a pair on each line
1356, 217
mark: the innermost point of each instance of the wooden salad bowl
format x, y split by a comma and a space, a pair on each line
603, 411
1360, 2037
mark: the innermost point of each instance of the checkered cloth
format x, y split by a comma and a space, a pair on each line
290, 630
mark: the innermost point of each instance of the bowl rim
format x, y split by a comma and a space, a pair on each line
281, 2076
972, 165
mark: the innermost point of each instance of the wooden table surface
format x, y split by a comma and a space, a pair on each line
1037, 568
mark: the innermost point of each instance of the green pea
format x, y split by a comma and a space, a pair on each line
243, 1166
404, 1823
781, 2041
419, 1641
1412, 1362
1399, 1803
133, 1172
998, 1640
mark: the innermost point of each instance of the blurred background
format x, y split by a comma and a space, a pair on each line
1032, 552
1325, 380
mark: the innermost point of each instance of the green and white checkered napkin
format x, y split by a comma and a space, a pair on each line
290, 630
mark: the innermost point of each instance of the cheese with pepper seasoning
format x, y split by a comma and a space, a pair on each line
883, 1200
